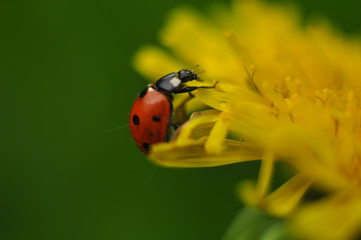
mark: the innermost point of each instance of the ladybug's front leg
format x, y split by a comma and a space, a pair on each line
180, 115
192, 88
189, 89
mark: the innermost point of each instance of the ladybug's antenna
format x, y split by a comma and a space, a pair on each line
199, 79
193, 68
193, 71
115, 129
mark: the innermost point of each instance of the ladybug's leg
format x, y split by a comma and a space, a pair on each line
189, 89
192, 88
180, 114
191, 94
175, 126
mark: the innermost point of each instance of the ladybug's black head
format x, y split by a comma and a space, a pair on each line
187, 75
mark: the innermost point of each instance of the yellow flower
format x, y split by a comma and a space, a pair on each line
286, 93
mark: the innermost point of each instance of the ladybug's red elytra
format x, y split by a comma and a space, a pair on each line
150, 119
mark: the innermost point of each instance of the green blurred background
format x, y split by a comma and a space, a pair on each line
66, 78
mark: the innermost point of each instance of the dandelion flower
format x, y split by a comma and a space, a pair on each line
285, 93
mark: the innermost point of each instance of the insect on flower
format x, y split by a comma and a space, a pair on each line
150, 119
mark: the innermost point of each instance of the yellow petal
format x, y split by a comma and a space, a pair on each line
194, 154
285, 199
214, 144
253, 194
198, 126
193, 47
333, 218
281, 202
216, 99
257, 114
265, 173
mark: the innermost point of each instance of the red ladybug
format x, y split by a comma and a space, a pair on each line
150, 119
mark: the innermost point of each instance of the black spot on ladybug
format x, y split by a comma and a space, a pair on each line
142, 93
156, 119
136, 119
146, 146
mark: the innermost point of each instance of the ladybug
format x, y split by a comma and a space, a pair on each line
150, 119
